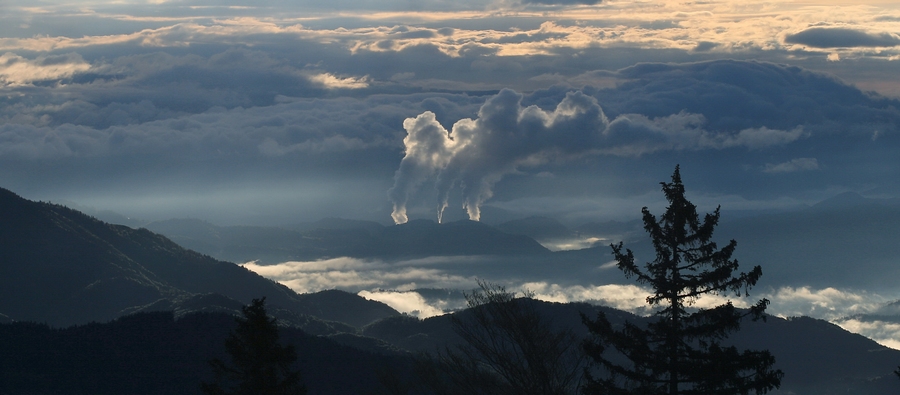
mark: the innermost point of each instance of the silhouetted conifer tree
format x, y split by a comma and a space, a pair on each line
259, 364
679, 352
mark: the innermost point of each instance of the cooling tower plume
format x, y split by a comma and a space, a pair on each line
475, 154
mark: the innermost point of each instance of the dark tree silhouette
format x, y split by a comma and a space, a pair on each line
509, 348
259, 364
679, 352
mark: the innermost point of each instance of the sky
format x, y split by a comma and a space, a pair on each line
258, 112
272, 113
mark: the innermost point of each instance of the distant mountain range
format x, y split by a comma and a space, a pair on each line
846, 241
171, 309
335, 237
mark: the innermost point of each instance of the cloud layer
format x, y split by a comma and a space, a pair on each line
404, 286
224, 110
457, 148
836, 37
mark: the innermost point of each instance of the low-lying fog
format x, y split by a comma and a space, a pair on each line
436, 285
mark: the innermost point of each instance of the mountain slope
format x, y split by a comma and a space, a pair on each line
155, 353
63, 267
817, 357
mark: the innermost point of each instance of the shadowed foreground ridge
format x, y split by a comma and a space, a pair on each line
154, 353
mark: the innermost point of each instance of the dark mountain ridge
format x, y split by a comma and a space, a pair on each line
159, 353
63, 267
817, 357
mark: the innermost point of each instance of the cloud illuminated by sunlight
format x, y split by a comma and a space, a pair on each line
725, 27
330, 81
17, 70
828, 303
394, 283
354, 274
409, 302
885, 333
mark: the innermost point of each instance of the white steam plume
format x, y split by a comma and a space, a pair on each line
428, 149
478, 153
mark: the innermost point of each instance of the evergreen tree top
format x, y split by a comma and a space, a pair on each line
259, 363
679, 352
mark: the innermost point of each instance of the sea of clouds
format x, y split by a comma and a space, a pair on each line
408, 286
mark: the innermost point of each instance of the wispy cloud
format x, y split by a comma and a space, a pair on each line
799, 164
357, 274
332, 82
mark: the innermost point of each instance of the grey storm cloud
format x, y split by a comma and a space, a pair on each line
735, 95
833, 37
835, 122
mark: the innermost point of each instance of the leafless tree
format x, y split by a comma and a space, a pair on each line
508, 347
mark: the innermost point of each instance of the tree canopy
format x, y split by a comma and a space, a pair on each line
259, 363
681, 351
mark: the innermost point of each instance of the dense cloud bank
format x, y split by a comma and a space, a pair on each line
523, 107
750, 109
759, 122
